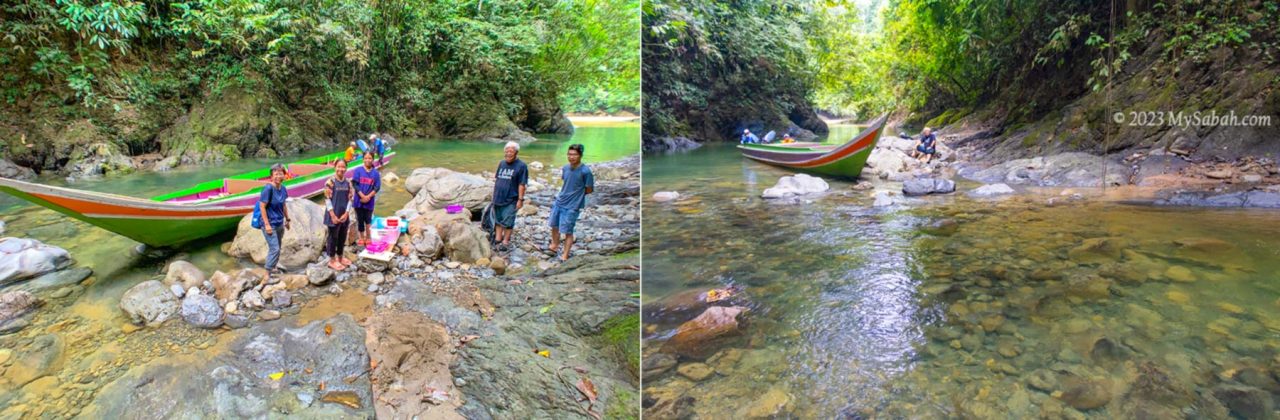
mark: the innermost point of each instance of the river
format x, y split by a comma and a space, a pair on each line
1020, 307
96, 344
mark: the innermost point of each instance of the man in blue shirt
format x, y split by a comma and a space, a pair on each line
748, 138
368, 182
578, 182
508, 193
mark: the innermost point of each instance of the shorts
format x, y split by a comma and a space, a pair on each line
562, 219
505, 215
929, 151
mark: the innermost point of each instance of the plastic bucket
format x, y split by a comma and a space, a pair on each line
453, 209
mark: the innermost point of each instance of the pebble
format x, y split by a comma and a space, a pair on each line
306, 399
177, 290
269, 315
459, 382
452, 264
129, 328
373, 288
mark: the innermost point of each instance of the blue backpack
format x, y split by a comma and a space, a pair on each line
256, 221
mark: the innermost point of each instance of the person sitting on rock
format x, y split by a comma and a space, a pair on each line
748, 138
578, 182
927, 147
512, 177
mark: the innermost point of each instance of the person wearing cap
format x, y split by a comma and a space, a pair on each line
367, 182
271, 203
748, 138
512, 177
378, 147
578, 182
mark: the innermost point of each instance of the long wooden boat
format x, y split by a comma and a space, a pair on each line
182, 216
844, 160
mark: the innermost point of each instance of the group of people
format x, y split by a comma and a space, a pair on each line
926, 147
356, 191
750, 138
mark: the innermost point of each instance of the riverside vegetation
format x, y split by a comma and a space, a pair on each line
95, 88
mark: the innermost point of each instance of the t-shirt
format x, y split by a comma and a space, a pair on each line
927, 141
275, 202
366, 181
573, 194
351, 154
506, 190
380, 146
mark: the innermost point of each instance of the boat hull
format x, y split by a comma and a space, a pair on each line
156, 223
843, 161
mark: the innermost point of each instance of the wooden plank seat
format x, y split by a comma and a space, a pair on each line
304, 169
236, 186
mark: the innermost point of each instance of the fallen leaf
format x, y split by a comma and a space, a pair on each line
328, 329
515, 282
545, 353
321, 388
276, 376
580, 369
546, 308
307, 370
587, 389
467, 339
373, 363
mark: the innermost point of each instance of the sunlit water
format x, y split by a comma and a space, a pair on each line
866, 312
90, 320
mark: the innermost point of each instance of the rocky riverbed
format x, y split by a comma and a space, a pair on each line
493, 335
1017, 300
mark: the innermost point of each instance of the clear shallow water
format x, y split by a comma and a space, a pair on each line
89, 321
959, 307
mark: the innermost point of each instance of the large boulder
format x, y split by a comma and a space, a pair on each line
1253, 199
437, 218
303, 241
886, 161
420, 176
799, 184
427, 243
697, 338
23, 258
183, 274
925, 186
444, 187
465, 242
13, 171
149, 303
201, 310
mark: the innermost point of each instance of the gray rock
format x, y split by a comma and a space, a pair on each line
1074, 169
24, 258
669, 144
925, 186
269, 315
53, 281
991, 190
664, 196
376, 278
302, 243
282, 299
201, 310
318, 274
235, 321
1253, 199
15, 304
373, 288
253, 300
177, 291
149, 303
1246, 401
11, 170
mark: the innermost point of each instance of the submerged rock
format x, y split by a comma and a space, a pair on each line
1256, 199
23, 258
1245, 401
664, 196
149, 303
16, 304
798, 184
697, 338
992, 190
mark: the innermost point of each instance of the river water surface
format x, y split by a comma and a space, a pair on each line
1033, 305
93, 341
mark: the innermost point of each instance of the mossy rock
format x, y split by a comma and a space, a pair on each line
622, 334
623, 406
